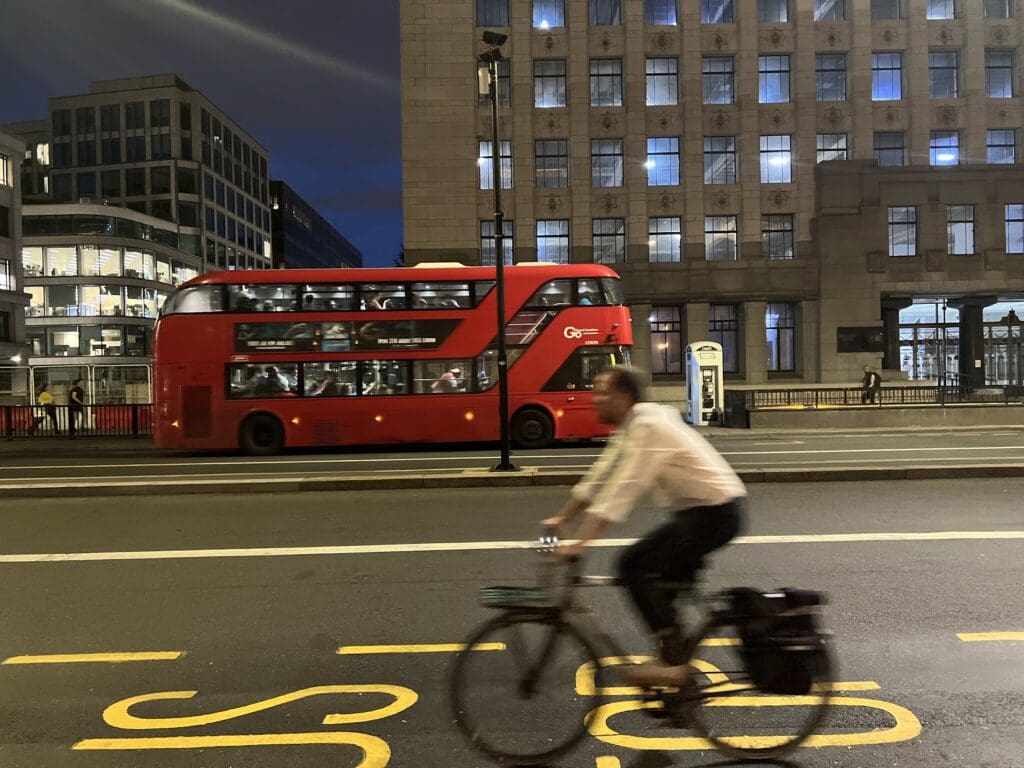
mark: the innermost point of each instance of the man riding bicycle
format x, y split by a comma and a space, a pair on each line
653, 450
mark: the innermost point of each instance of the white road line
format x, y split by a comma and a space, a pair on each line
472, 546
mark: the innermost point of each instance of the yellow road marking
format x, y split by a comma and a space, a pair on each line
92, 658
608, 762
348, 650
986, 637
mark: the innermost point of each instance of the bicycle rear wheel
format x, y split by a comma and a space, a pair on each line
513, 689
739, 719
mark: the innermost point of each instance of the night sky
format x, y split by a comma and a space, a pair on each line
315, 81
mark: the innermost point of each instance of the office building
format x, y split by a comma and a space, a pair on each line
12, 296
302, 238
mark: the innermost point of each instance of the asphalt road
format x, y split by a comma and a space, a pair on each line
248, 599
85, 462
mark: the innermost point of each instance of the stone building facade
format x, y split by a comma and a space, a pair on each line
686, 145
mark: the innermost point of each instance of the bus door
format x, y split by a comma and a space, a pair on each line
571, 388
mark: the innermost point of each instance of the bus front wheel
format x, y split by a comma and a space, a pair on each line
532, 428
261, 435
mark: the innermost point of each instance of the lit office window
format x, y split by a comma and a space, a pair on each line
1001, 146
552, 163
831, 146
719, 159
609, 241
548, 14
724, 328
719, 79
553, 241
999, 74
944, 148
886, 76
606, 162
662, 82
903, 231
776, 160
664, 239
1015, 228
780, 333
485, 164
720, 238
660, 12
666, 340
829, 10
960, 230
662, 162
943, 74
487, 242
941, 9
606, 82
777, 236
549, 83
773, 79
716, 12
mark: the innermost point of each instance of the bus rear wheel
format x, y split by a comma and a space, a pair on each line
261, 435
532, 428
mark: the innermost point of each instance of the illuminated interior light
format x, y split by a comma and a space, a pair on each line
378, 418
469, 416
544, 25
649, 164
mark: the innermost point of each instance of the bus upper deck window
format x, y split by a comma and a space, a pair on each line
321, 298
262, 298
590, 293
196, 300
557, 293
381, 296
441, 296
612, 290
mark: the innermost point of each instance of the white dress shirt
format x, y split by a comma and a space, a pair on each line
655, 451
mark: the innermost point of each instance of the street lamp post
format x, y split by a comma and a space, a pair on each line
494, 41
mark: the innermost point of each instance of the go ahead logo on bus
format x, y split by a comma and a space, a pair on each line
572, 332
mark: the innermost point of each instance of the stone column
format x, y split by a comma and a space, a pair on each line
642, 337
972, 338
697, 316
752, 341
891, 326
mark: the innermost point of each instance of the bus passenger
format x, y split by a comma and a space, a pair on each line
449, 381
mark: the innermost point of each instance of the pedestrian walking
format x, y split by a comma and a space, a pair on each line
45, 401
76, 406
870, 386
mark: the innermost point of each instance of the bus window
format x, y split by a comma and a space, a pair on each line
590, 293
261, 298
334, 379
557, 293
390, 296
201, 298
612, 290
276, 380
487, 368
384, 377
328, 298
582, 367
481, 289
441, 296
441, 377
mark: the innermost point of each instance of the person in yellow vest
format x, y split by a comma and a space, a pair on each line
45, 401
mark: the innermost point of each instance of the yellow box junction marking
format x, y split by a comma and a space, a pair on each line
351, 650
95, 658
990, 637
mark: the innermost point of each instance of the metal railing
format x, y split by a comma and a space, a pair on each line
887, 396
132, 420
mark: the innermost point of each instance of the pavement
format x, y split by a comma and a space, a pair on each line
283, 631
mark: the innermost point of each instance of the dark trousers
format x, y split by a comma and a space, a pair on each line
675, 552
49, 411
74, 414
868, 396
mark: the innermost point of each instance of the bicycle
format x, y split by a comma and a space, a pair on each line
531, 682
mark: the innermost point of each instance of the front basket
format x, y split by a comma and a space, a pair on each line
514, 597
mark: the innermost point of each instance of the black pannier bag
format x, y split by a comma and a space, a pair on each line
780, 643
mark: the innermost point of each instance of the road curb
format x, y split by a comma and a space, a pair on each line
527, 477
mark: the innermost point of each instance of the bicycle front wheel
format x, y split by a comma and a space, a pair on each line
514, 687
738, 718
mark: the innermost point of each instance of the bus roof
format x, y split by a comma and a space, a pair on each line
398, 274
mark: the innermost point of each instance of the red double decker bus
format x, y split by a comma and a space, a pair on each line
261, 360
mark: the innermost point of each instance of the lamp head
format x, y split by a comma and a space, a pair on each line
494, 38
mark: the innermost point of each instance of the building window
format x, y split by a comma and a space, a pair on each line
999, 74
886, 10
606, 162
61, 122
831, 146
944, 148
135, 149
504, 86
662, 82
773, 11
553, 241
960, 229
548, 14
5, 172
903, 231
492, 13
716, 12
830, 72
662, 162
551, 163
941, 9
773, 79
110, 118
666, 340
998, 9
723, 328
719, 159
777, 236
135, 181
85, 120
606, 82
110, 184
487, 242
1002, 146
605, 13
720, 238
664, 239
719, 79
1015, 228
829, 10
661, 13
942, 74
87, 152
86, 185
890, 148
5, 221
780, 333
886, 76
160, 113
161, 146
609, 241
776, 160
549, 83
485, 164
110, 151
